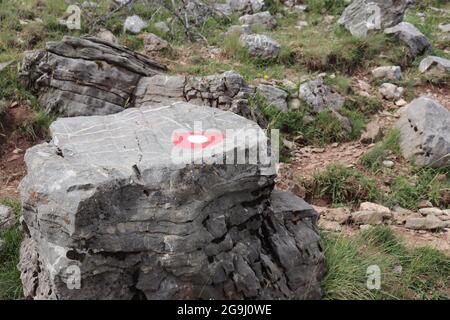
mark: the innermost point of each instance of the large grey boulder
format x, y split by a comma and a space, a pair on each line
433, 62
264, 19
226, 91
274, 96
85, 76
260, 46
425, 133
361, 16
319, 96
411, 36
114, 210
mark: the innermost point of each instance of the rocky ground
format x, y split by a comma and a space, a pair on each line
343, 96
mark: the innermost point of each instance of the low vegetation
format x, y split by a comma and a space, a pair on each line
420, 273
10, 284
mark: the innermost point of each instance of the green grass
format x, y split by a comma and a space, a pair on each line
321, 129
421, 184
11, 89
373, 159
10, 284
425, 273
342, 185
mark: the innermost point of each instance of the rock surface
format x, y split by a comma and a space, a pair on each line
105, 200
361, 16
260, 46
153, 43
261, 18
88, 76
390, 91
387, 72
226, 91
134, 24
430, 222
411, 36
320, 96
246, 6
431, 62
107, 35
275, 96
85, 76
372, 134
7, 217
425, 133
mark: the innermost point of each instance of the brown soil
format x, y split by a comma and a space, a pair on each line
13, 145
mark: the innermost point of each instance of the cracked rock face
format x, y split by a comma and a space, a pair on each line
105, 202
425, 133
85, 76
227, 91
89, 76
361, 16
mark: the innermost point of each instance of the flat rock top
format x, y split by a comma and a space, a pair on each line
145, 136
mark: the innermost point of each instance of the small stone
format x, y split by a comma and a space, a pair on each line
370, 206
239, 29
134, 24
390, 91
444, 27
260, 46
320, 96
411, 36
301, 24
368, 217
398, 269
264, 19
431, 211
401, 103
424, 204
387, 72
430, 222
330, 225
365, 227
340, 215
295, 104
107, 35
153, 43
300, 7
162, 27
433, 62
274, 96
388, 163
399, 214
372, 134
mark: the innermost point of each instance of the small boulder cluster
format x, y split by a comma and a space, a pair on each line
370, 214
